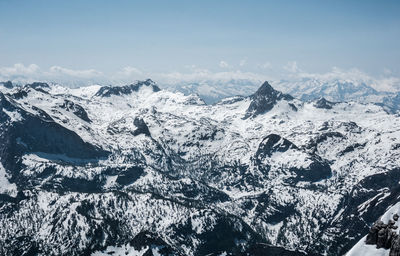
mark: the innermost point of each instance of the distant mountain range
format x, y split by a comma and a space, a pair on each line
336, 90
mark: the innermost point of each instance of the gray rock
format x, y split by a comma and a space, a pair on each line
395, 246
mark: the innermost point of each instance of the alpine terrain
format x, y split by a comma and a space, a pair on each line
136, 170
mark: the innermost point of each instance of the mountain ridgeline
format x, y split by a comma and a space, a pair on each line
137, 170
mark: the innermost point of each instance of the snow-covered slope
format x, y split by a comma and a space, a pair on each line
139, 170
363, 249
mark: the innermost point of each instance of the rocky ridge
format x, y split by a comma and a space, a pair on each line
89, 171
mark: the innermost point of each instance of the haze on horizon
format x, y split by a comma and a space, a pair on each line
175, 39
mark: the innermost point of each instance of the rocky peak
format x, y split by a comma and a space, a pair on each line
323, 103
7, 84
264, 99
266, 90
37, 85
107, 91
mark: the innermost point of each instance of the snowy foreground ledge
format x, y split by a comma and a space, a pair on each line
363, 249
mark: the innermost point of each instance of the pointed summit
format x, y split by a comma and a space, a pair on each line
264, 99
324, 103
265, 90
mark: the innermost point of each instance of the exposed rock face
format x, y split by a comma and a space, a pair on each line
315, 170
38, 85
7, 84
264, 99
141, 127
40, 134
372, 237
107, 91
77, 109
395, 246
384, 236
274, 143
146, 241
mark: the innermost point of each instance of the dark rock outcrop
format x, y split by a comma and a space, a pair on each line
7, 84
372, 236
130, 175
107, 91
384, 236
141, 127
274, 143
264, 99
38, 133
323, 103
77, 109
37, 85
395, 247
147, 241
318, 168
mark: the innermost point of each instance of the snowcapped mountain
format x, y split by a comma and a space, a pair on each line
332, 89
214, 91
306, 89
136, 170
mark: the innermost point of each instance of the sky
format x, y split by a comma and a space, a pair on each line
90, 39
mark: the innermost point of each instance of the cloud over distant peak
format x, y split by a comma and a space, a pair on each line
86, 73
129, 71
19, 70
21, 73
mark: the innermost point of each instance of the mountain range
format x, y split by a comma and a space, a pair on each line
138, 170
306, 89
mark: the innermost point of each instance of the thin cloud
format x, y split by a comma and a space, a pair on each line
86, 73
223, 64
266, 65
292, 67
202, 75
19, 70
20, 73
129, 71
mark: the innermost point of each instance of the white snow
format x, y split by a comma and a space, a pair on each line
124, 250
362, 249
14, 115
183, 125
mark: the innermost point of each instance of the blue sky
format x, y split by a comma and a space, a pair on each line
263, 37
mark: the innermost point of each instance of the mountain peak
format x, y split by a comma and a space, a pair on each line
37, 85
265, 89
7, 84
324, 103
264, 99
